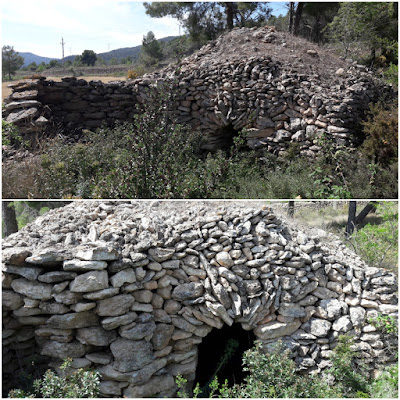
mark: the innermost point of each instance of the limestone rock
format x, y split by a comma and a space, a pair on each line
318, 327
95, 336
30, 273
73, 320
90, 282
114, 306
32, 289
81, 266
276, 329
224, 259
187, 291
97, 254
131, 355
63, 350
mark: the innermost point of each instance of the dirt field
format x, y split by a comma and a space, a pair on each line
6, 91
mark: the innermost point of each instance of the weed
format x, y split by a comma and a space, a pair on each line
76, 384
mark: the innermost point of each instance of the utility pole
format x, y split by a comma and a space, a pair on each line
62, 44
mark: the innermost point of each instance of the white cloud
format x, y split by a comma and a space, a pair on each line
83, 23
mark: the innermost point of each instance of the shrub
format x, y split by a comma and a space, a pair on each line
11, 135
270, 375
150, 158
381, 130
349, 376
386, 385
77, 384
132, 74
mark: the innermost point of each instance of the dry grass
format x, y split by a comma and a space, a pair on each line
6, 91
20, 179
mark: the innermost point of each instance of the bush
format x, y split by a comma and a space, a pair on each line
381, 130
151, 158
349, 376
386, 385
11, 135
132, 74
270, 375
77, 384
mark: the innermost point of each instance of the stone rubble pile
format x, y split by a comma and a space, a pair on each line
222, 89
132, 288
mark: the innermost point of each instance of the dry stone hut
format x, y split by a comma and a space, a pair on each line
133, 289
283, 90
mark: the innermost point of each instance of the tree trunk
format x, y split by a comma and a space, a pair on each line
291, 209
291, 16
371, 206
9, 218
351, 220
229, 15
297, 18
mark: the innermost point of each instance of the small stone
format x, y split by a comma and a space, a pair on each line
114, 306
35, 290
188, 291
73, 320
96, 336
97, 254
125, 276
30, 273
79, 265
90, 282
224, 259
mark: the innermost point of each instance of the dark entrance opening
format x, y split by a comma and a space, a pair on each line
224, 137
220, 354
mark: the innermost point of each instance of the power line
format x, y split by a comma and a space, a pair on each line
62, 44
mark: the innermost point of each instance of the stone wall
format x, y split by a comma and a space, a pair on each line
278, 101
132, 288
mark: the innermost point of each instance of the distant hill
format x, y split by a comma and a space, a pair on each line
30, 58
118, 54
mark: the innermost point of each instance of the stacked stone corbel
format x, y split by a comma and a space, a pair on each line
23, 107
131, 290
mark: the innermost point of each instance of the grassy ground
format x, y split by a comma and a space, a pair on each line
375, 240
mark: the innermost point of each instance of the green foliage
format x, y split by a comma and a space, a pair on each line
377, 244
88, 57
11, 61
363, 28
151, 49
78, 384
386, 385
349, 376
381, 130
205, 20
385, 323
11, 135
151, 158
271, 375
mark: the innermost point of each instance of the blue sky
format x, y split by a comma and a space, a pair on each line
37, 26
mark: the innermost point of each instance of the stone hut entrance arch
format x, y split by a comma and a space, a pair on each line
133, 289
220, 354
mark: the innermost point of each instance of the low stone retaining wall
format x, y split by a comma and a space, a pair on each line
278, 103
132, 288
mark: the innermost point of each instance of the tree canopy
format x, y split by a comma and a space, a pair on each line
11, 61
207, 19
89, 57
151, 49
